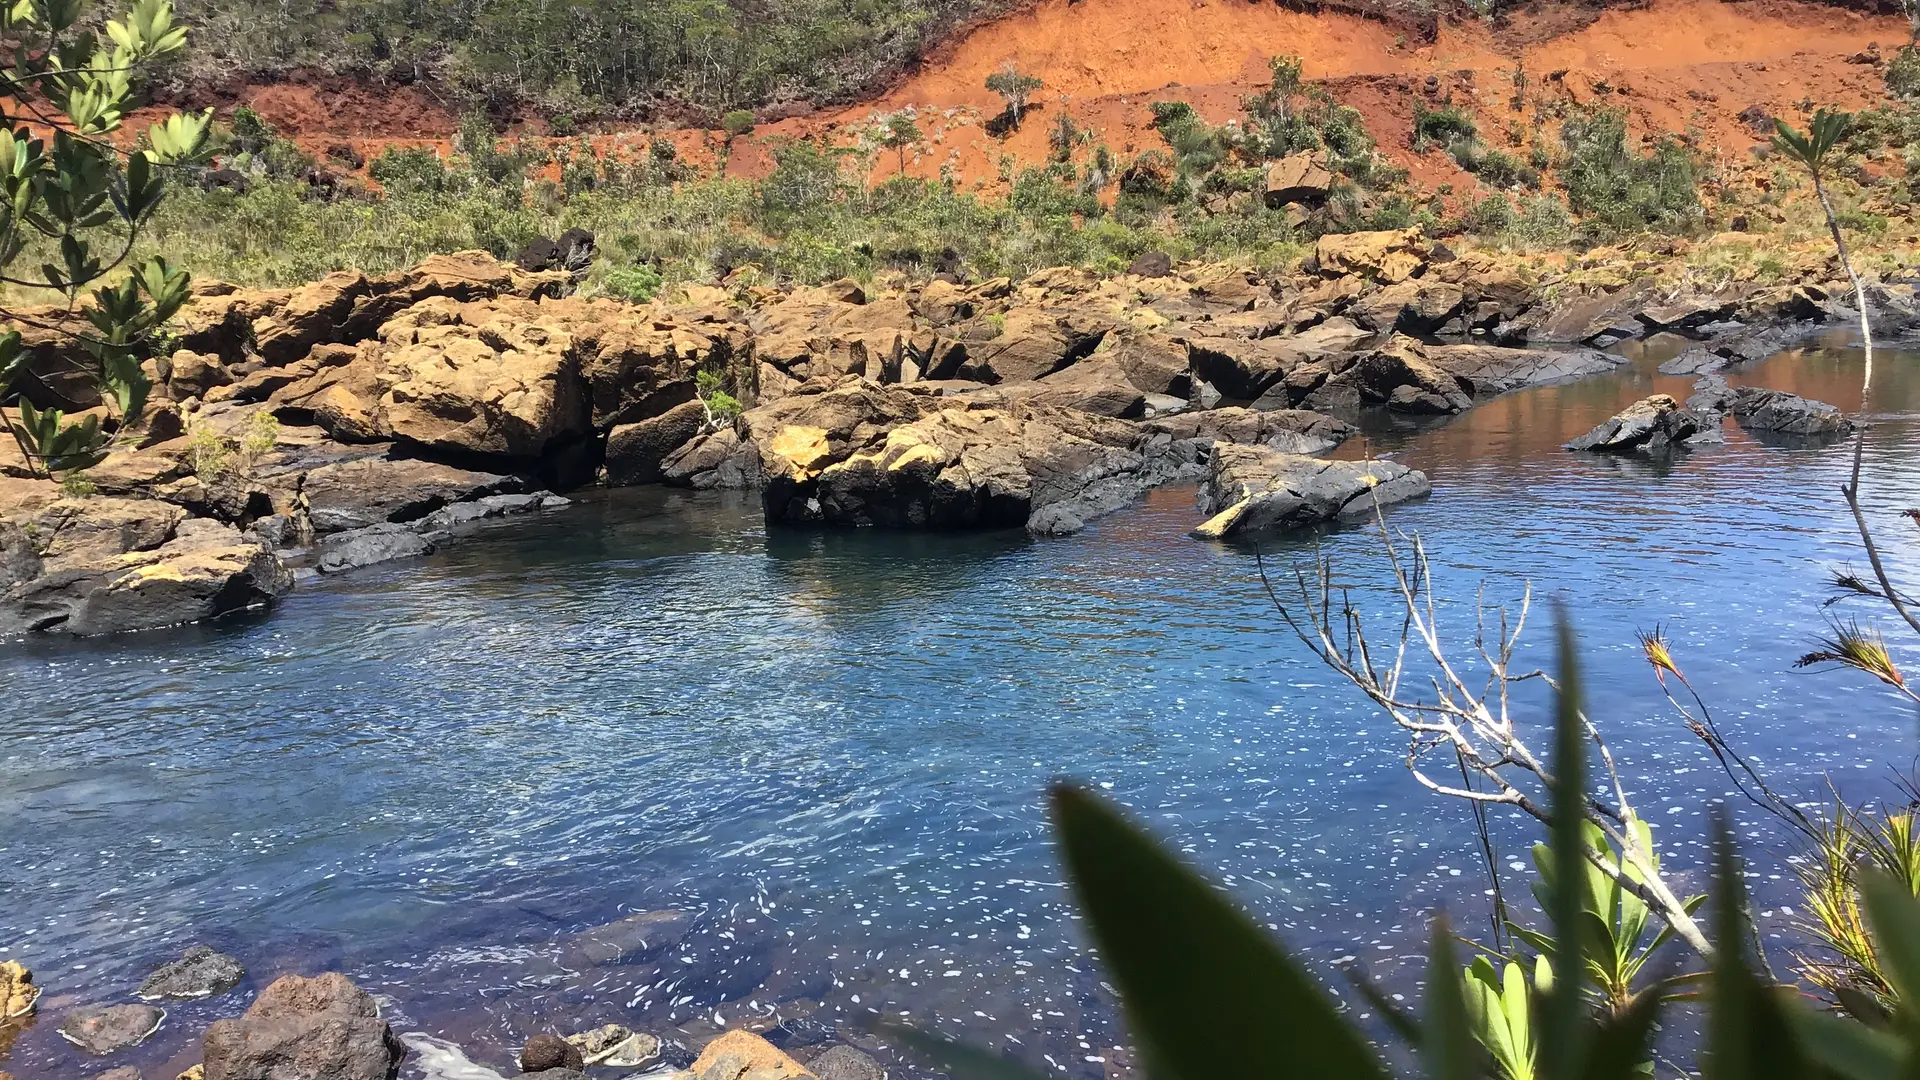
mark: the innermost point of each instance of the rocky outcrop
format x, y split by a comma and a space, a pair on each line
1386, 257
370, 490
1252, 488
103, 1029
200, 972
1777, 412
323, 1028
1042, 468
101, 565
1301, 178
1653, 425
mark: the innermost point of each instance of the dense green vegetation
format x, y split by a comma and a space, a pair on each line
584, 56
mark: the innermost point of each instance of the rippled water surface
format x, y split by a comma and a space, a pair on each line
827, 751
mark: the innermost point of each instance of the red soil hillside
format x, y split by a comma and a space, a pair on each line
1674, 65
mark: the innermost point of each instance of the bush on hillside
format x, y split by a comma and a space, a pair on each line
1618, 190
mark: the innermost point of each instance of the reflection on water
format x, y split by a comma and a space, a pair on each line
828, 749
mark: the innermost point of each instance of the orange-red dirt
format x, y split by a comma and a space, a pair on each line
1674, 65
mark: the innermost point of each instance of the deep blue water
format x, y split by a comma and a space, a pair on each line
830, 749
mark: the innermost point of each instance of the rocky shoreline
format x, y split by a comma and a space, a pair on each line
325, 1026
358, 420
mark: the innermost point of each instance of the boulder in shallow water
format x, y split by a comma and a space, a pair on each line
380, 543
615, 1047
323, 1028
1250, 488
1711, 394
1780, 413
739, 1054
103, 1029
124, 1072
1652, 425
544, 1052
18, 995
201, 972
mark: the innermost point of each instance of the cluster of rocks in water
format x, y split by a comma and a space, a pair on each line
1658, 424
326, 1028
411, 405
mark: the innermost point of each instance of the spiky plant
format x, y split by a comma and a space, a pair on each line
1815, 151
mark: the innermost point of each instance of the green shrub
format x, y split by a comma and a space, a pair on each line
409, 170
562, 125
634, 284
1490, 216
1440, 126
1903, 74
1542, 221
1617, 190
738, 122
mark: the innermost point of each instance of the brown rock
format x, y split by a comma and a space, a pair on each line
637, 453
543, 1052
100, 1030
1390, 256
1298, 178
739, 1054
323, 1028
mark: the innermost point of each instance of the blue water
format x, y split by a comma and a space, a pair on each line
830, 749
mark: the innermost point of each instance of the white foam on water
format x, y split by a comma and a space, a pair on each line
438, 1059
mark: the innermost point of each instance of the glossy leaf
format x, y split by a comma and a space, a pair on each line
1207, 993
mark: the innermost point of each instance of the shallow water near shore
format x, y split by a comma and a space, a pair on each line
829, 750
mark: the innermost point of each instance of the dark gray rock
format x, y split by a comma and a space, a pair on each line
1698, 360
1711, 394
1781, 413
1296, 431
370, 490
103, 1029
845, 1063
1254, 488
201, 972
1652, 425
1154, 264
374, 544
323, 1028
486, 507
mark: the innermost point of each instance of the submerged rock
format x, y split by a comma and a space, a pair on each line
1250, 488
103, 1029
201, 972
323, 1028
1781, 413
1652, 425
845, 1063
